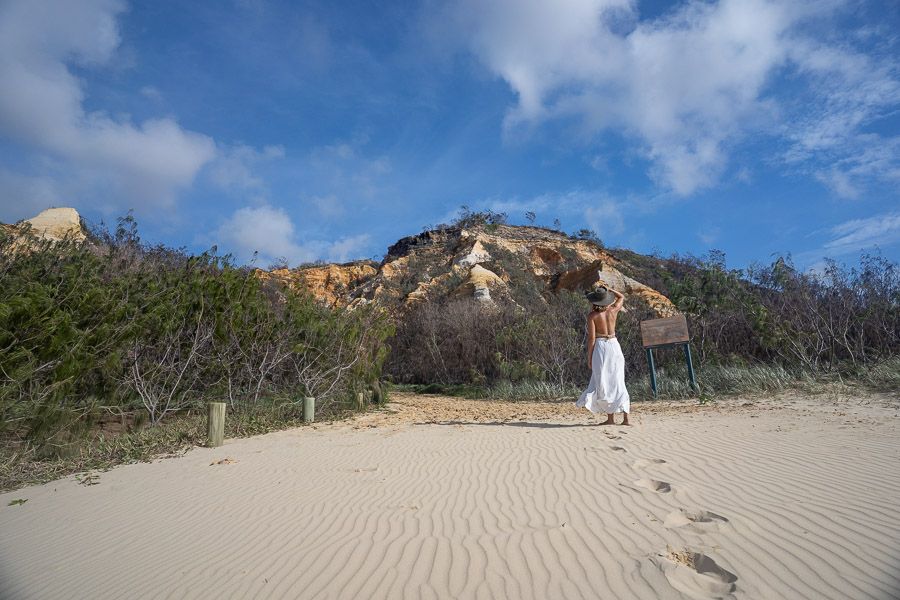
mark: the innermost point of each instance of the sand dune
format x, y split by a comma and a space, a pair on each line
441, 498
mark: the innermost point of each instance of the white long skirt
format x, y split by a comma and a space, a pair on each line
606, 391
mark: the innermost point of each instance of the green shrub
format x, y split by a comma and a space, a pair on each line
116, 326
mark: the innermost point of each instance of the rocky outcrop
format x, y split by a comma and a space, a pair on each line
58, 224
331, 283
602, 271
486, 262
477, 254
479, 283
53, 224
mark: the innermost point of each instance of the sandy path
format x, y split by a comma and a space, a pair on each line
442, 498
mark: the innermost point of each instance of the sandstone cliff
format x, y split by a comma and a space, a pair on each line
331, 283
487, 262
53, 224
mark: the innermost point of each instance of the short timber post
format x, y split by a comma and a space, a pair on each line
215, 426
309, 409
652, 370
377, 392
690, 366
360, 400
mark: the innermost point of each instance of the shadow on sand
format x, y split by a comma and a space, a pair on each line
511, 424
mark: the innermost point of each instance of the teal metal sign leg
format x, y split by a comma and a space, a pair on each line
652, 371
690, 366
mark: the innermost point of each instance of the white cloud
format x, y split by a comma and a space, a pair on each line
839, 182
858, 159
233, 168
851, 90
861, 234
265, 230
347, 248
41, 103
687, 86
270, 232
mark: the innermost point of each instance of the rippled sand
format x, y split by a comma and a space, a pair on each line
442, 498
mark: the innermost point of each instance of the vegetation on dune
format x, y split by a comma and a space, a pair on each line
717, 381
118, 330
760, 329
110, 349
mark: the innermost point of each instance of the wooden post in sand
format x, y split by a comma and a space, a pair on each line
309, 409
215, 424
360, 401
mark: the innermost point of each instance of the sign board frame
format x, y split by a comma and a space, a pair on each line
669, 331
664, 332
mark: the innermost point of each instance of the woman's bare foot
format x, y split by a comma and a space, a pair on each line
609, 421
625, 420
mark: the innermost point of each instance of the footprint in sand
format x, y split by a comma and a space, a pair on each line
613, 437
696, 574
698, 521
618, 448
643, 463
654, 485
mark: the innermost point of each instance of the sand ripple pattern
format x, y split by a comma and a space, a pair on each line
708, 505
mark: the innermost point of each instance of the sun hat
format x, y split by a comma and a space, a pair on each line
600, 297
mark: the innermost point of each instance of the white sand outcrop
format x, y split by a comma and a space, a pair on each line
57, 224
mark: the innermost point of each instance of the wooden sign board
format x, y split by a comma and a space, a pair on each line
660, 332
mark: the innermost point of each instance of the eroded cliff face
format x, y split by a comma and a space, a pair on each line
486, 262
53, 224
330, 283
490, 263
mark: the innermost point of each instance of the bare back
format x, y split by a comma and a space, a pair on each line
604, 321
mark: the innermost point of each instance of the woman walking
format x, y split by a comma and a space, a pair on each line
606, 391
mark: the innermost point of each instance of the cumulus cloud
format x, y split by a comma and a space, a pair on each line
687, 85
42, 102
265, 230
270, 234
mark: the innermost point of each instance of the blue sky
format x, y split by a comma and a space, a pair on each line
322, 130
